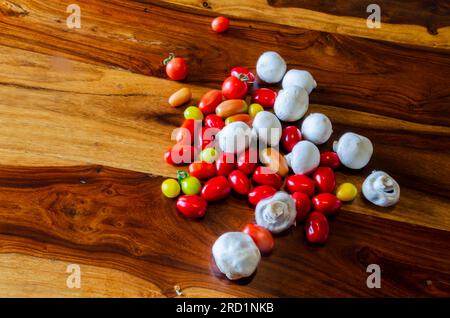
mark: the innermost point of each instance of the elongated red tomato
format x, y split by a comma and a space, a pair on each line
215, 189
290, 136
192, 206
176, 67
180, 154
264, 96
325, 179
239, 182
327, 204
240, 71
209, 101
317, 228
260, 193
214, 121
225, 163
265, 176
202, 170
247, 161
330, 159
300, 183
234, 88
302, 205
261, 236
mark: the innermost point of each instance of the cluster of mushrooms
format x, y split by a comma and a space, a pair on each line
235, 253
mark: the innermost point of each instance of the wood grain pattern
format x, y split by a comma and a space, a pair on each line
81, 214
383, 78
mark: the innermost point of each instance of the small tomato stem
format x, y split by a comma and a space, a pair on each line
167, 60
181, 175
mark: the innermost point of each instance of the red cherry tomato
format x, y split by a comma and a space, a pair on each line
240, 71
202, 170
302, 204
330, 159
325, 179
239, 182
265, 176
326, 203
247, 161
214, 121
300, 183
264, 96
192, 206
317, 228
225, 163
215, 189
260, 193
290, 136
176, 67
234, 88
261, 236
220, 24
207, 137
187, 132
180, 154
209, 101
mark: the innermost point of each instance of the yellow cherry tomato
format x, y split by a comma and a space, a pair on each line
253, 109
170, 188
346, 192
191, 185
193, 112
209, 155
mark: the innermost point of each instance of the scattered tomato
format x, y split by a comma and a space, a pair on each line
261, 236
193, 112
290, 136
330, 159
180, 154
300, 183
260, 193
210, 101
346, 192
217, 188
326, 203
302, 204
265, 176
202, 170
176, 67
220, 24
234, 88
254, 109
225, 163
240, 71
190, 185
247, 161
207, 137
317, 228
170, 188
187, 132
264, 96
325, 179
192, 206
239, 182
214, 121
208, 155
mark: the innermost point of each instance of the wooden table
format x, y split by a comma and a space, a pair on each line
84, 122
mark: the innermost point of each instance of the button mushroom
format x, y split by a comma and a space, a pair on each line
236, 255
317, 128
304, 157
270, 67
235, 137
354, 151
267, 127
291, 103
381, 189
276, 213
299, 78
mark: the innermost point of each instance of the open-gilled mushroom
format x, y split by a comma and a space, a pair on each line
304, 157
270, 67
354, 151
235, 137
317, 128
276, 213
268, 128
299, 78
291, 103
236, 255
381, 189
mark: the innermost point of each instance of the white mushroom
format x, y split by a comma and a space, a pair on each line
317, 128
270, 67
381, 189
304, 157
353, 150
276, 213
268, 128
236, 255
235, 137
299, 78
291, 103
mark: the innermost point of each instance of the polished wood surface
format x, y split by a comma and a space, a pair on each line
85, 121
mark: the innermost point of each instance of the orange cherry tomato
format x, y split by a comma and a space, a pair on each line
261, 236
210, 101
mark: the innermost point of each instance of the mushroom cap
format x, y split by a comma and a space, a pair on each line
236, 255
381, 189
354, 151
276, 213
268, 128
317, 128
304, 157
234, 137
291, 103
270, 67
299, 78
